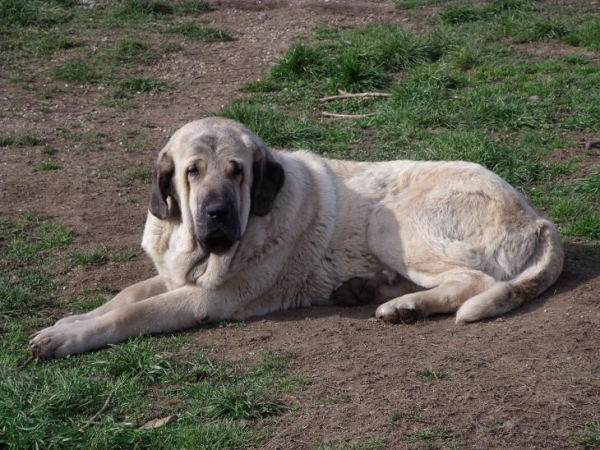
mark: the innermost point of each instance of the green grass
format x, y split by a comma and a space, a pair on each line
69, 40
460, 92
195, 31
413, 416
19, 140
49, 404
412, 4
141, 85
431, 436
589, 438
430, 374
460, 89
24, 13
82, 70
47, 166
101, 255
134, 51
356, 60
373, 443
26, 246
161, 8
127, 255
95, 256
587, 35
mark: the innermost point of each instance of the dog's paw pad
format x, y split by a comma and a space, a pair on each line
398, 315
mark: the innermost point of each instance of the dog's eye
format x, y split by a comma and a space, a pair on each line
236, 168
193, 172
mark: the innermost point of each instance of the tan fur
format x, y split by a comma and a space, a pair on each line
449, 237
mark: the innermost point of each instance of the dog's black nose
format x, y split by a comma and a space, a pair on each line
218, 211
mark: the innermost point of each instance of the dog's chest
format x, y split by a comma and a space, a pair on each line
173, 251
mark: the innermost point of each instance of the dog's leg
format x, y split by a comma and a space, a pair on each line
452, 290
134, 293
372, 288
174, 310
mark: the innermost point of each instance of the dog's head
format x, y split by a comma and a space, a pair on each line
214, 173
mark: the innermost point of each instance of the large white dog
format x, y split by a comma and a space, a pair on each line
236, 230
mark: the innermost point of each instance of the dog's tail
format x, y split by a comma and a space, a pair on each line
541, 271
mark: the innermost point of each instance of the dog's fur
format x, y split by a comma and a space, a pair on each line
236, 230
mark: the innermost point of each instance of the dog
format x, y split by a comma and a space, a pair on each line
236, 230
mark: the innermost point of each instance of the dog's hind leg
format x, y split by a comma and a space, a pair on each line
452, 289
372, 288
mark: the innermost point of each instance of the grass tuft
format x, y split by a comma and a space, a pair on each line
589, 438
411, 4
355, 74
430, 374
46, 166
95, 256
462, 13
141, 85
19, 140
127, 255
501, 6
195, 31
139, 173
274, 127
236, 402
589, 185
137, 359
192, 7
300, 62
18, 13
371, 443
428, 434
144, 7
414, 416
81, 70
134, 51
587, 35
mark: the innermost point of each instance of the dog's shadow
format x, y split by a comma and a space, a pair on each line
582, 264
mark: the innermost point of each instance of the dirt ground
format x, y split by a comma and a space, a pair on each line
530, 379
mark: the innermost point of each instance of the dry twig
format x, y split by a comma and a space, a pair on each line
26, 362
346, 116
344, 94
98, 414
589, 144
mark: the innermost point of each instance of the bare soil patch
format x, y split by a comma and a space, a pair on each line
530, 379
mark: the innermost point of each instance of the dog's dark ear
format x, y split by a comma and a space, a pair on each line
268, 178
162, 188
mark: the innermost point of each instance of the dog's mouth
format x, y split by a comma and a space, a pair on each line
218, 242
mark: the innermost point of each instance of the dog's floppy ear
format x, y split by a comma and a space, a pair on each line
162, 188
268, 178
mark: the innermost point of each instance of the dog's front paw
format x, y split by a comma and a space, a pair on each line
56, 341
398, 311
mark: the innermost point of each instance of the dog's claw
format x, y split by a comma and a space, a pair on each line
404, 316
36, 348
396, 311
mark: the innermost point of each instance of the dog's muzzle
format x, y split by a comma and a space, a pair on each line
219, 227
